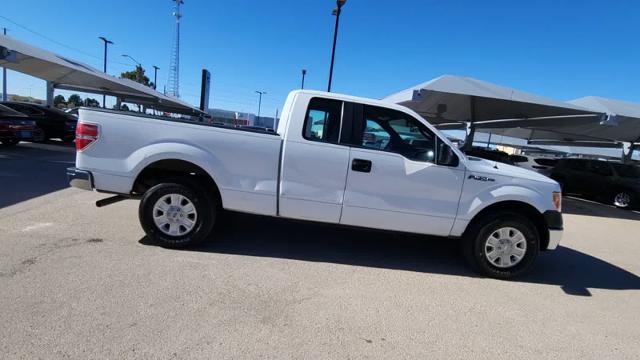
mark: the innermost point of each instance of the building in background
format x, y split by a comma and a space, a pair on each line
236, 118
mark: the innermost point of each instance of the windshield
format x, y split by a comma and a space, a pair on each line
628, 171
6, 111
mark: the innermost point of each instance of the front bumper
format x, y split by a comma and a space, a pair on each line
80, 179
554, 223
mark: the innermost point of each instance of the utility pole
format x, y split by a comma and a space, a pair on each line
4, 76
304, 73
106, 42
336, 12
275, 121
155, 77
174, 62
260, 93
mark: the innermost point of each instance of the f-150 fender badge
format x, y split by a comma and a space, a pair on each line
481, 178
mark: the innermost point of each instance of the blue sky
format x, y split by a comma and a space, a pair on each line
560, 49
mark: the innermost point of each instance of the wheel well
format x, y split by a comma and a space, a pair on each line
522, 208
161, 170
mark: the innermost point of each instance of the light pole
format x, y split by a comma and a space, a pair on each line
304, 73
106, 42
134, 60
260, 93
4, 76
155, 77
336, 12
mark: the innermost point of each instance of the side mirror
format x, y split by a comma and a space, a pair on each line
446, 155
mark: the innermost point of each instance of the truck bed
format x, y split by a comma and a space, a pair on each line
243, 162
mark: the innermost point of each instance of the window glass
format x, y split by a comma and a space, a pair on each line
322, 122
628, 171
7, 111
579, 165
600, 168
394, 131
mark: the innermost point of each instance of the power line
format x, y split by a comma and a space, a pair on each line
58, 42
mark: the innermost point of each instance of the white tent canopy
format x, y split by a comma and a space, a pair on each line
624, 124
448, 100
64, 73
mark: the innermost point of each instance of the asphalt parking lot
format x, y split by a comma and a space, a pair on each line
81, 282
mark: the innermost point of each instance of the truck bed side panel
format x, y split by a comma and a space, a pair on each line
243, 164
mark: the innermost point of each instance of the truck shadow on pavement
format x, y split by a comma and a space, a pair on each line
241, 234
31, 170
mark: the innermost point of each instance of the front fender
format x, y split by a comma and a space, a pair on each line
470, 206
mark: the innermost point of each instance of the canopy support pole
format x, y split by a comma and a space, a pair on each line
50, 88
471, 128
626, 157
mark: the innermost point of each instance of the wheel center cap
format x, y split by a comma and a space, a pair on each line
174, 213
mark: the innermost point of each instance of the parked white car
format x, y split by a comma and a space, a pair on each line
334, 159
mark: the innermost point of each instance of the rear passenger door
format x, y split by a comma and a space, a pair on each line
395, 179
314, 162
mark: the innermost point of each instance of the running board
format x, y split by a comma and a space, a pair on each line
111, 200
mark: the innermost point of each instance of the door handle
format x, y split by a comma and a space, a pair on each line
361, 165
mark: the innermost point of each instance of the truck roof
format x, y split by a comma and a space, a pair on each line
356, 99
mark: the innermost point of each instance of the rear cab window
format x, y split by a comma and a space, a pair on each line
323, 119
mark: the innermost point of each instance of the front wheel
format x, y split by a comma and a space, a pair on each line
623, 199
502, 246
177, 215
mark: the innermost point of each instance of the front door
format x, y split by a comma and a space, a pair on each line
395, 179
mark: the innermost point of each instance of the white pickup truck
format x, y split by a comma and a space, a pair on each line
334, 159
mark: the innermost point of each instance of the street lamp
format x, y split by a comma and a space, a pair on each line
155, 77
260, 93
336, 12
134, 60
304, 73
106, 42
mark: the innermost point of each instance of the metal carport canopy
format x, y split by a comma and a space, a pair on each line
453, 101
622, 126
64, 73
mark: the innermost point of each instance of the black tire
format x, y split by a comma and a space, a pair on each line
478, 233
205, 206
43, 139
629, 205
9, 142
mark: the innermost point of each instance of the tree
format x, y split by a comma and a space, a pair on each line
59, 100
136, 75
74, 100
91, 102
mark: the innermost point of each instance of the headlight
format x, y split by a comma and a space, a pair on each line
556, 197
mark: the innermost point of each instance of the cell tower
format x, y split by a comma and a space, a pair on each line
174, 63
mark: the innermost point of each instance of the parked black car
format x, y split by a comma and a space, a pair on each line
489, 154
16, 127
614, 183
54, 123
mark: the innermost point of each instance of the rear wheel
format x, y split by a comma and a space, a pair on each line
623, 199
177, 214
502, 246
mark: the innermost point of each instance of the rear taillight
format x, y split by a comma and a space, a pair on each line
86, 134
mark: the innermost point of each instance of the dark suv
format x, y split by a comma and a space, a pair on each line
614, 183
